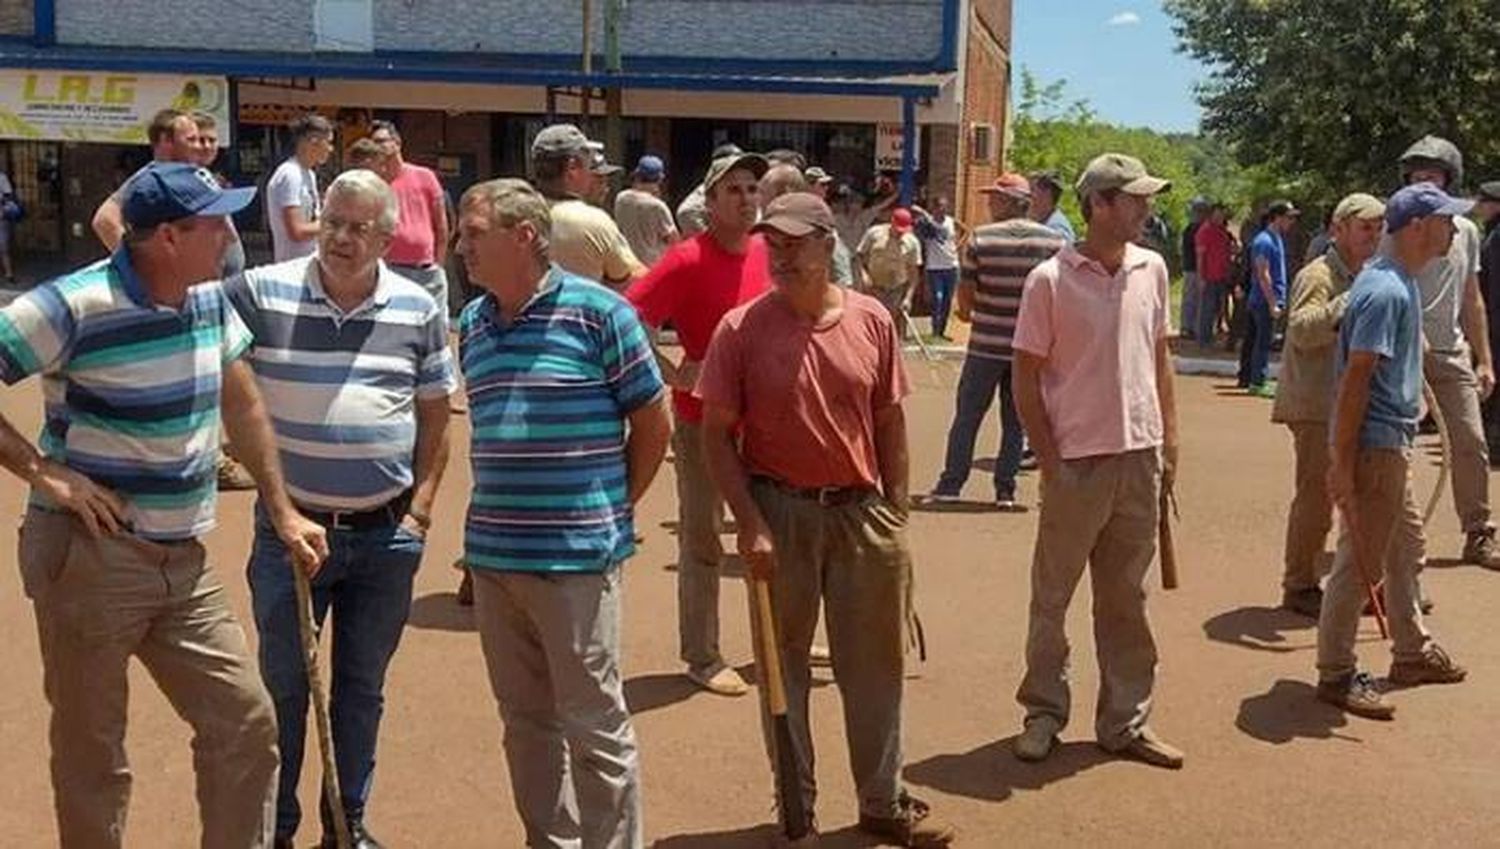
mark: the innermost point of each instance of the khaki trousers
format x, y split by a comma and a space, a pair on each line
1388, 542
1098, 512
1457, 391
700, 554
1311, 515
98, 602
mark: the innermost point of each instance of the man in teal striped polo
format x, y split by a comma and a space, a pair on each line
137, 361
569, 427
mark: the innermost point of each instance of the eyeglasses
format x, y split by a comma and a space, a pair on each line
331, 226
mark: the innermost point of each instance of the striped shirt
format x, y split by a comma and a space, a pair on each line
130, 389
341, 387
996, 262
549, 393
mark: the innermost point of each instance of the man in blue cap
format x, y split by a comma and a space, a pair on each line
1379, 367
641, 214
137, 361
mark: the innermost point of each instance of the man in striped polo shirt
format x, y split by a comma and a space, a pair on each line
353, 361
995, 265
136, 361
570, 425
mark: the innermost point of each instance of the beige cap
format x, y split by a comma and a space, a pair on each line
752, 162
1118, 171
1359, 205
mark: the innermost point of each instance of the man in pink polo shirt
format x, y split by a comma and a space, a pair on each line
805, 437
420, 244
1094, 390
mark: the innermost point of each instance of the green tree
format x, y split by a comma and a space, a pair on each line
1330, 92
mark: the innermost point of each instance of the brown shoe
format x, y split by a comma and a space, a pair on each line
1147, 748
232, 475
1357, 694
1433, 667
911, 826
1481, 550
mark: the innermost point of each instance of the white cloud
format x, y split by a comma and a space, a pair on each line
1124, 19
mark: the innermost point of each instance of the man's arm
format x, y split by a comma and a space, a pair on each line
1349, 414
892, 456
1263, 279
721, 455
1027, 390
298, 228
1476, 326
100, 510
249, 427
440, 229
429, 460
109, 223
963, 304
646, 444
1166, 399
1313, 314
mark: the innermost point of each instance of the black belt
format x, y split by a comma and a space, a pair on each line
827, 496
385, 516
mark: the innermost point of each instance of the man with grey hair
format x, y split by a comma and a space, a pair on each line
570, 171
550, 524
353, 361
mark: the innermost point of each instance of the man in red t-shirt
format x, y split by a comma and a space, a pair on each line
419, 246
804, 434
693, 284
1215, 257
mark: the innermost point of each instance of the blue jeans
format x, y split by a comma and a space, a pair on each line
1260, 341
367, 581
1192, 303
982, 379
940, 283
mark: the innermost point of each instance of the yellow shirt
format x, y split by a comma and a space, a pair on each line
586, 242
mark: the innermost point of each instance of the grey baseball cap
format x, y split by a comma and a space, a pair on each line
560, 140
752, 162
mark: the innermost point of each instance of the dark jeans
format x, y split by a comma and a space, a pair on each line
940, 284
367, 580
982, 379
1259, 339
1210, 307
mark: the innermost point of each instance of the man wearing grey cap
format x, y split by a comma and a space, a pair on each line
1305, 391
141, 364
1458, 363
692, 216
1094, 388
569, 170
1379, 378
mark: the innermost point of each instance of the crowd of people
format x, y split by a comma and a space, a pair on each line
330, 370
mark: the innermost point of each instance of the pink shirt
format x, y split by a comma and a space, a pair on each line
806, 394
1097, 336
417, 192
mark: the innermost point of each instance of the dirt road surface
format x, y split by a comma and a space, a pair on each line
1267, 765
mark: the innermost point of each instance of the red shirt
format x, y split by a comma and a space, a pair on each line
1213, 241
807, 394
418, 192
693, 284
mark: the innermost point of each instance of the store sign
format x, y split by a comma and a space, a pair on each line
102, 107
889, 143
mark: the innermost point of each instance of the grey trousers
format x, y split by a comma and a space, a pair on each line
853, 561
1457, 390
1389, 543
700, 512
1098, 512
433, 278
552, 647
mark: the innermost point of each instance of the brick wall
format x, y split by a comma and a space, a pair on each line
994, 15
986, 81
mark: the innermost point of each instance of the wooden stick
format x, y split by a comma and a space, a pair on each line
794, 819
331, 793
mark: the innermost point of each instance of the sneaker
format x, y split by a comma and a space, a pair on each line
1147, 748
1479, 549
1433, 667
911, 825
1357, 694
232, 475
1037, 739
719, 679
1264, 390
937, 497
1008, 504
1308, 602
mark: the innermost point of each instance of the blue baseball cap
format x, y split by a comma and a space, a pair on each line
1420, 200
169, 191
651, 169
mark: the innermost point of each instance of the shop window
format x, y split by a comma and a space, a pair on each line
981, 143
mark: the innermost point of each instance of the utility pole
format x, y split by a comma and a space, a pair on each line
614, 130
588, 58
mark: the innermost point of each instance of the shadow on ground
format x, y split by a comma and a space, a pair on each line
926, 506
440, 612
731, 567
992, 772
656, 690
1289, 710
761, 836
1259, 628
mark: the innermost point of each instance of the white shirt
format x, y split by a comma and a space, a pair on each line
292, 185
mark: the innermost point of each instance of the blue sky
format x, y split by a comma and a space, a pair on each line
1119, 55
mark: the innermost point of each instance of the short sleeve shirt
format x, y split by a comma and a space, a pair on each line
419, 196
1096, 334
1384, 317
692, 214
997, 261
646, 223
1213, 240
586, 242
549, 394
1269, 247
693, 286
293, 185
342, 387
1442, 285
806, 394
889, 256
130, 389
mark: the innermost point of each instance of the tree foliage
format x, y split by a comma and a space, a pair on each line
1330, 92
